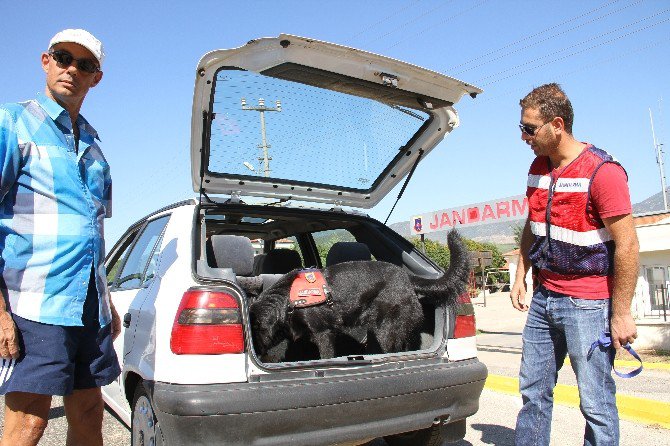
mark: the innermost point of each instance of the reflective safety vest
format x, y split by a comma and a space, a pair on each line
569, 237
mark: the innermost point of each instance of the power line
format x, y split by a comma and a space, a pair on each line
367, 28
441, 22
549, 38
538, 34
409, 22
523, 90
607, 42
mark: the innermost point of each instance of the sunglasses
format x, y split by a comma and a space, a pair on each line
531, 130
65, 59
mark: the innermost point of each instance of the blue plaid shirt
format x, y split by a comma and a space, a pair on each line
52, 204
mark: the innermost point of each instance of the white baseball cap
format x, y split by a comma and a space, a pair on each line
83, 38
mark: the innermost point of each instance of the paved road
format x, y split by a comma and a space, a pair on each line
499, 348
114, 432
492, 425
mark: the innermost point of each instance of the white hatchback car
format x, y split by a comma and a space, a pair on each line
294, 120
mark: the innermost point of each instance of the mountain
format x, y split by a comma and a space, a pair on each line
651, 204
503, 233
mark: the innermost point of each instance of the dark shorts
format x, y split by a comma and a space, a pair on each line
55, 359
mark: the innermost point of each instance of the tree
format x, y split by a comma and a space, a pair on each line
439, 253
326, 239
518, 231
436, 251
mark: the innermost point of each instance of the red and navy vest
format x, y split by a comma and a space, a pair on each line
569, 238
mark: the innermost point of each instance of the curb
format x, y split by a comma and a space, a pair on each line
631, 408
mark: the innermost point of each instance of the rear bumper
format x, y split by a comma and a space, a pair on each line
320, 407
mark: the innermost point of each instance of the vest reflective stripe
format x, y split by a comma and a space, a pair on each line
539, 181
578, 238
562, 185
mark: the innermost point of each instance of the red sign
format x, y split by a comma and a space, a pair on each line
504, 209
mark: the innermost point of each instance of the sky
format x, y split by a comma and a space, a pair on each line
611, 57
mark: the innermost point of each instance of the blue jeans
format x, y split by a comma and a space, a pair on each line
558, 325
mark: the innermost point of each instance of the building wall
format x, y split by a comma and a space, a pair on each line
512, 275
652, 287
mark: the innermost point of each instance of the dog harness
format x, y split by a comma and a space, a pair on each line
570, 239
309, 288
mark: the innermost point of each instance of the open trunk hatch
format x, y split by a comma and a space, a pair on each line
295, 118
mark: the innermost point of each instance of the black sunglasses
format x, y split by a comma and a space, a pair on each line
65, 59
531, 130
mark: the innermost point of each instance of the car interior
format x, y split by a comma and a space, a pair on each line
253, 246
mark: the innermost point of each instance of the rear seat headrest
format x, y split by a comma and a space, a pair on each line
281, 261
231, 251
258, 263
347, 252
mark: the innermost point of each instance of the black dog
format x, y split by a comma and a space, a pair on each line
370, 296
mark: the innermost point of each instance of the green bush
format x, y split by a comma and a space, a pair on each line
439, 253
436, 251
326, 239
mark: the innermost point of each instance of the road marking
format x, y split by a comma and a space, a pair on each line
631, 408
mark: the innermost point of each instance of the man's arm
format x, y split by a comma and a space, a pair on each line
626, 267
10, 157
9, 170
518, 292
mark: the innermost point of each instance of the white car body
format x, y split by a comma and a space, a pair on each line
190, 395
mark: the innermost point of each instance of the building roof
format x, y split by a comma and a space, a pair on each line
650, 218
514, 252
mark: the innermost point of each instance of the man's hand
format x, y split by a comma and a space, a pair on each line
518, 295
116, 321
623, 330
9, 345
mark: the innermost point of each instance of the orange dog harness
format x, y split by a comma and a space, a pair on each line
309, 288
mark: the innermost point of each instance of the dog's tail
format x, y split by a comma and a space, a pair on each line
453, 282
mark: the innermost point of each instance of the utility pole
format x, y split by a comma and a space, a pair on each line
264, 146
659, 160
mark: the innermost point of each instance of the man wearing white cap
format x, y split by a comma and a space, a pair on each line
57, 323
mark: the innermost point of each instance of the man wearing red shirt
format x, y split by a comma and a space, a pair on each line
581, 241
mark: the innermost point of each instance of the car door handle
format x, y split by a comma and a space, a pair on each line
126, 320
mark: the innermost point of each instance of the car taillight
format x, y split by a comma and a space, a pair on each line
464, 325
207, 323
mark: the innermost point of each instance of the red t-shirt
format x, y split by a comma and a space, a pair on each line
610, 198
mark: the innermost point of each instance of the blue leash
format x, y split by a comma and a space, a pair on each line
605, 342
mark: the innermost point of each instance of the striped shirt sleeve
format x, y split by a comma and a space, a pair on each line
10, 156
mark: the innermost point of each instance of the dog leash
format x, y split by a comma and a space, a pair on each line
604, 342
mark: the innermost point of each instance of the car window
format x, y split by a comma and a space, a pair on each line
326, 239
350, 136
153, 261
114, 265
290, 243
136, 267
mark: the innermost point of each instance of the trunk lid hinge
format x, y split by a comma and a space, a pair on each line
204, 151
404, 186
